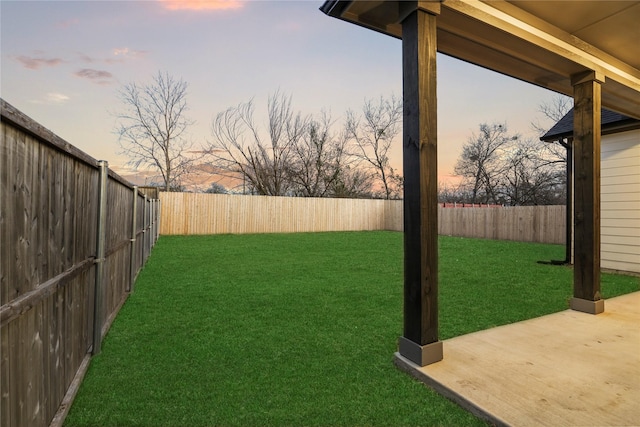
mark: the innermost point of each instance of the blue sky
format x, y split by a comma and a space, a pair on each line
63, 61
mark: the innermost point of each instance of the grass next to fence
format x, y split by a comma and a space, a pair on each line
300, 329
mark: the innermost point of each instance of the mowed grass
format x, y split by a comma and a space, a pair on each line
300, 329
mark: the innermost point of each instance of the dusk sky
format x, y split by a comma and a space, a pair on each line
64, 61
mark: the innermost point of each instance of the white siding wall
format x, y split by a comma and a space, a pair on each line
620, 209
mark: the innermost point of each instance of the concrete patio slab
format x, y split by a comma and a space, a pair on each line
564, 369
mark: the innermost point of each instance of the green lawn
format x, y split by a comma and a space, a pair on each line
300, 329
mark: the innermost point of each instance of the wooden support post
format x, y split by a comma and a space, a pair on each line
568, 247
98, 301
420, 341
586, 154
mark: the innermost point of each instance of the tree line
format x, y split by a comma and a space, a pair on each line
317, 156
499, 167
306, 156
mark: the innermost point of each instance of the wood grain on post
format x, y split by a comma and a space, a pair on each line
420, 341
586, 154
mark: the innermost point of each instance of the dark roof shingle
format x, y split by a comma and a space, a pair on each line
564, 127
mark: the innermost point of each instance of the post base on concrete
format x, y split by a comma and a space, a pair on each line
587, 306
421, 355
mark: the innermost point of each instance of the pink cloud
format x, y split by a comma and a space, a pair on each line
202, 4
35, 63
96, 76
124, 53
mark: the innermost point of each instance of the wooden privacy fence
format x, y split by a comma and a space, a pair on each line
73, 236
193, 213
190, 213
541, 224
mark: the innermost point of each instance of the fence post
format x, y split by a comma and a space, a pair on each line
156, 219
153, 223
98, 301
144, 229
132, 255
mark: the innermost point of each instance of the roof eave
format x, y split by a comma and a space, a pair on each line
334, 8
607, 128
339, 9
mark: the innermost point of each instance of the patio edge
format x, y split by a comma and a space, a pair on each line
412, 369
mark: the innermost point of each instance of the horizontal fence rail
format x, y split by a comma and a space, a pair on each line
192, 213
63, 277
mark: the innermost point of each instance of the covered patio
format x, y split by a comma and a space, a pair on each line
563, 369
549, 370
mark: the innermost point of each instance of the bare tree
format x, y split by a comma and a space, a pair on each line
319, 159
556, 155
480, 162
240, 149
153, 126
552, 112
372, 135
351, 182
450, 193
302, 156
502, 168
529, 179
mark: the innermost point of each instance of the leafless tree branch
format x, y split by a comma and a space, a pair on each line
300, 155
372, 134
152, 127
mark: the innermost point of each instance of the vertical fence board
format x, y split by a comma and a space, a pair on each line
70, 202
19, 283
6, 378
56, 365
7, 211
7, 137
33, 368
44, 384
